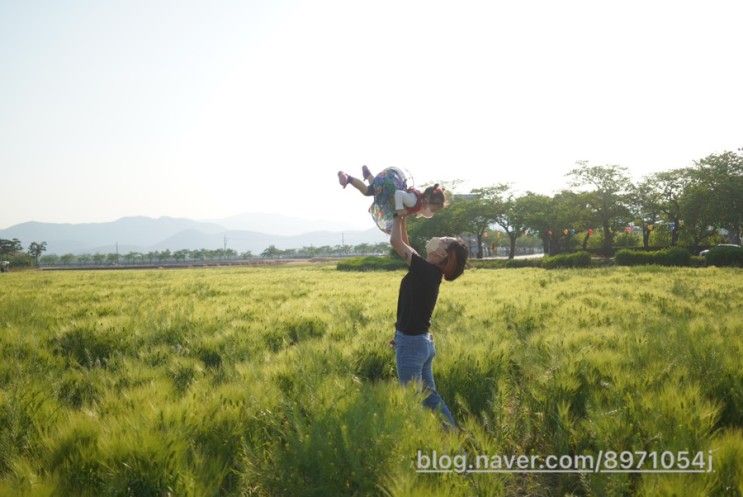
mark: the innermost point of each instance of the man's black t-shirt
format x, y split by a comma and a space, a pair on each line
419, 290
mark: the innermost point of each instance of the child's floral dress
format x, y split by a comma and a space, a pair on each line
384, 184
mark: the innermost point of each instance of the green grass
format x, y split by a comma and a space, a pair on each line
280, 382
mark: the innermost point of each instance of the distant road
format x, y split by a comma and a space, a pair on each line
504, 257
191, 264
245, 262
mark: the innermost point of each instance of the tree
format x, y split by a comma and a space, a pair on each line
671, 186
644, 202
477, 212
610, 185
35, 249
585, 215
8, 247
362, 249
67, 259
721, 176
380, 248
49, 259
537, 208
512, 216
271, 252
571, 213
698, 214
549, 217
132, 257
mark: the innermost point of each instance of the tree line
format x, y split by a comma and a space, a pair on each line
691, 206
13, 250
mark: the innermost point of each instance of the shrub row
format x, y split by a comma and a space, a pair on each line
674, 256
371, 263
504, 263
725, 256
573, 259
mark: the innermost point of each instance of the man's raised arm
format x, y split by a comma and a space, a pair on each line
399, 239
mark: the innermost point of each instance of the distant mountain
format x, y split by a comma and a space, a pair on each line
277, 224
139, 230
256, 242
143, 234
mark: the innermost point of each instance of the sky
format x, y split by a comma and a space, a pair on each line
209, 109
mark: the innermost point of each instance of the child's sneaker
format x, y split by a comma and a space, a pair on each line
343, 178
367, 174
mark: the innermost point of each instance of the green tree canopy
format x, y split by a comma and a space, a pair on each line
35, 250
10, 246
610, 185
721, 176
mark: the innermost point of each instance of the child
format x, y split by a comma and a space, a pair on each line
393, 197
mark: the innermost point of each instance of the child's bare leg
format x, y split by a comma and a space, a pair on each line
368, 176
359, 185
345, 179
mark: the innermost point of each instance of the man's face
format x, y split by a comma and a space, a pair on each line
436, 247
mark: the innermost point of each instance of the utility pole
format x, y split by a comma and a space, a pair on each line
117, 252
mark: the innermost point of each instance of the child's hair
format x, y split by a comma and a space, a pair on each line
456, 259
435, 195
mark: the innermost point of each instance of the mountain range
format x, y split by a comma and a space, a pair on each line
248, 231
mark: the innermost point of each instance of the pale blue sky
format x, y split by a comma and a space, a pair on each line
208, 109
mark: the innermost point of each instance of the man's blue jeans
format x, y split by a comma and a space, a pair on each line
414, 356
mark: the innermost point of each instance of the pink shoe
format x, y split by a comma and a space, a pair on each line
367, 174
343, 179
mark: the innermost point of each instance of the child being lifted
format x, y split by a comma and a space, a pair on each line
393, 197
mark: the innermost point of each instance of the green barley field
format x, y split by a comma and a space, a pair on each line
280, 381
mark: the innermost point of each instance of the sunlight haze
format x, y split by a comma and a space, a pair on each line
207, 110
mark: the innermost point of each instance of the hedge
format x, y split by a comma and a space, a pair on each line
673, 256
371, 263
575, 259
505, 263
725, 256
